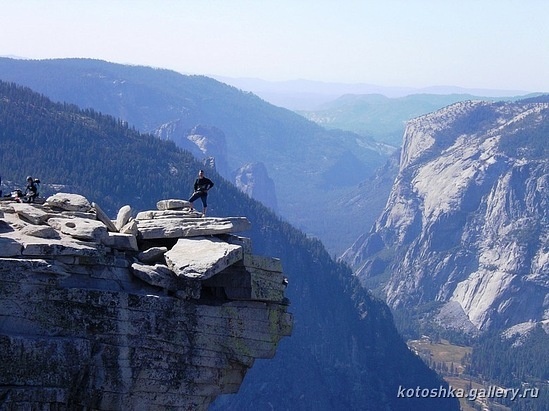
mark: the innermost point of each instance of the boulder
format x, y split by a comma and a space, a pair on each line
244, 242
202, 258
69, 202
123, 217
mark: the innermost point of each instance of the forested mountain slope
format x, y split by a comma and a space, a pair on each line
310, 166
344, 352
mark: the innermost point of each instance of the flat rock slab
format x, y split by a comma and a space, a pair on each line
152, 214
201, 257
31, 213
40, 247
172, 204
120, 241
80, 228
104, 218
190, 227
161, 276
40, 231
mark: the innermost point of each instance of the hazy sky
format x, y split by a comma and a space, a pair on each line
502, 44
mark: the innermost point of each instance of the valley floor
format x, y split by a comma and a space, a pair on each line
450, 361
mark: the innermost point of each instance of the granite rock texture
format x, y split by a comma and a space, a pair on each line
465, 230
96, 319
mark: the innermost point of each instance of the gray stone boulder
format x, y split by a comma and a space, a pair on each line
78, 251
123, 217
69, 202
202, 258
158, 275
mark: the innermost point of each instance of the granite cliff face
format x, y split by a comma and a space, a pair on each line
162, 311
206, 143
253, 179
466, 223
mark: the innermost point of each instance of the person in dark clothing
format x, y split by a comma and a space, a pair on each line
31, 191
201, 187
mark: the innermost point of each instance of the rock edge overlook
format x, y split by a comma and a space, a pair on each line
166, 310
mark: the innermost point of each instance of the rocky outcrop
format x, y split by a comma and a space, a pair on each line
207, 143
253, 179
466, 223
125, 316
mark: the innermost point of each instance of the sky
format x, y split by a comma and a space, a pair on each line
491, 44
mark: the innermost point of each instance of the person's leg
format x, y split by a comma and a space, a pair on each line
204, 199
192, 199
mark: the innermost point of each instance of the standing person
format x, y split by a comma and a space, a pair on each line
201, 186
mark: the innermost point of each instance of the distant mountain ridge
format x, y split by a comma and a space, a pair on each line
309, 95
381, 117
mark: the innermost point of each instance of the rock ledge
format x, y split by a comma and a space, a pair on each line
163, 311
